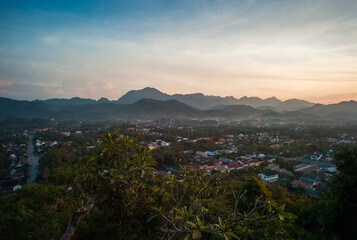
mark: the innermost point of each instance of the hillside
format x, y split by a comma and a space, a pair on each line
147, 108
342, 110
205, 102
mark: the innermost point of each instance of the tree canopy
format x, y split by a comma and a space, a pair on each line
115, 193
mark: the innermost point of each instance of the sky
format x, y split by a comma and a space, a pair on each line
287, 49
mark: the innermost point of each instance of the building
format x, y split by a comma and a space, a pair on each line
309, 178
306, 181
269, 176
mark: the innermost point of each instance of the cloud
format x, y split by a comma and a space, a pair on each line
50, 40
6, 82
282, 48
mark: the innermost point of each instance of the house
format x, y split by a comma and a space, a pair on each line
216, 161
297, 183
273, 166
235, 165
187, 151
315, 157
225, 160
310, 169
311, 192
269, 176
152, 146
164, 144
309, 178
13, 157
209, 153
305, 181
305, 167
200, 153
222, 168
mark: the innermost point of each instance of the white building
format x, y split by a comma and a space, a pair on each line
269, 176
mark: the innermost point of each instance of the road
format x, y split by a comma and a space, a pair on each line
33, 162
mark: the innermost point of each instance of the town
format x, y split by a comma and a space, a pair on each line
297, 156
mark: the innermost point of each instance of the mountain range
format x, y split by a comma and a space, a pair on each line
150, 103
204, 102
196, 100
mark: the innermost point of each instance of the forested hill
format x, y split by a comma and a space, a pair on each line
196, 100
172, 109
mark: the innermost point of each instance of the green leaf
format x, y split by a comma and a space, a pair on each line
187, 237
151, 218
179, 211
220, 221
196, 234
198, 221
124, 181
191, 224
232, 235
282, 207
157, 209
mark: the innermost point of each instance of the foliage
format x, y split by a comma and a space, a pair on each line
334, 216
4, 162
194, 205
118, 177
36, 212
115, 194
288, 165
54, 158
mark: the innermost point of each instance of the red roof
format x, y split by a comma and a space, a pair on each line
301, 184
48, 143
234, 165
211, 168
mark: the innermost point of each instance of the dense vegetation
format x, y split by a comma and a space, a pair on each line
115, 194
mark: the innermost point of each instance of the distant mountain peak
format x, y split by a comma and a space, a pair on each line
249, 98
149, 89
196, 94
272, 101
103, 100
272, 98
148, 92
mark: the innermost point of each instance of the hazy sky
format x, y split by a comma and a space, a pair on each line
288, 49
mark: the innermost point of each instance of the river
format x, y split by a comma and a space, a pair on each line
33, 162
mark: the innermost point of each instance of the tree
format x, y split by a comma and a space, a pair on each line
4, 162
341, 201
334, 216
116, 182
194, 205
37, 212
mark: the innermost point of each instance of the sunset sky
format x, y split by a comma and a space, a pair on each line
288, 49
